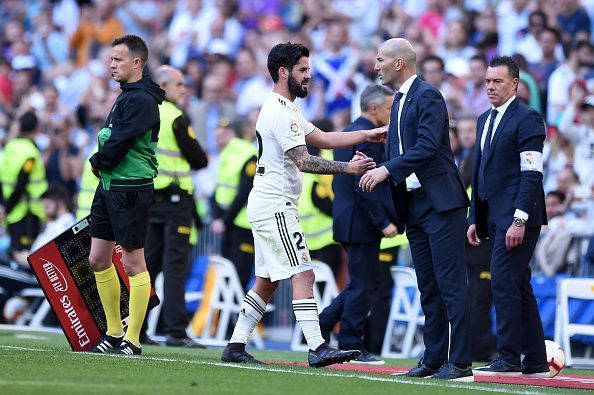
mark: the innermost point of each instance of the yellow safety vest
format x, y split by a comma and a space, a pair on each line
173, 167
316, 225
231, 161
389, 242
16, 156
88, 186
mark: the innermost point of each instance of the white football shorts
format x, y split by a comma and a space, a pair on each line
280, 248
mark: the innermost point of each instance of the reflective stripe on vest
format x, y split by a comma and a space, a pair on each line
173, 167
88, 185
231, 162
389, 242
15, 155
316, 225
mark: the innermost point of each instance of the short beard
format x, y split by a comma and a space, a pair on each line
295, 87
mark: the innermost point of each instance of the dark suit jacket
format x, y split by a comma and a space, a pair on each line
507, 188
424, 129
359, 217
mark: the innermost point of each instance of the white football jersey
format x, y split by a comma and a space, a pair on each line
278, 182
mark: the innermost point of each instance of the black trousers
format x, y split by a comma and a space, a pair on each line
167, 249
238, 246
437, 243
352, 305
375, 327
332, 256
23, 233
519, 328
478, 261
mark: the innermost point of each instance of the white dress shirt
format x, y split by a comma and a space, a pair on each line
500, 111
412, 182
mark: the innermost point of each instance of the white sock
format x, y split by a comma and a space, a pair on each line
306, 312
252, 310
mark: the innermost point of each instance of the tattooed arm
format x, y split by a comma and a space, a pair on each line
314, 164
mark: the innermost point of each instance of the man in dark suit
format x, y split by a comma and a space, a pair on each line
430, 199
508, 206
360, 220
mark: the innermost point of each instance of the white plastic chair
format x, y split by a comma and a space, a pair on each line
324, 275
404, 309
574, 288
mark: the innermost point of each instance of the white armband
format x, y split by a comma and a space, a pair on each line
531, 161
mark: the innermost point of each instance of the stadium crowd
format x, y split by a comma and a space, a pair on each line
55, 56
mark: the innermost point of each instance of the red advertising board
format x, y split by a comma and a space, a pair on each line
63, 271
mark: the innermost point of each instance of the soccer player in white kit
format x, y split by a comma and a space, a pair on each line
280, 249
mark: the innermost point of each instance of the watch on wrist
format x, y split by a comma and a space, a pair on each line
519, 222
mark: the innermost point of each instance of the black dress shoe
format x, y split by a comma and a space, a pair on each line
182, 342
449, 371
499, 368
421, 370
540, 371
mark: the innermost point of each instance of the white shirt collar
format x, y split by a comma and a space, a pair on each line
407, 84
502, 108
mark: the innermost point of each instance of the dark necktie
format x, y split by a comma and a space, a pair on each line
393, 138
485, 152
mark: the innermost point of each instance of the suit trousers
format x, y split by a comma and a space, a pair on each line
352, 305
167, 249
519, 328
437, 245
478, 261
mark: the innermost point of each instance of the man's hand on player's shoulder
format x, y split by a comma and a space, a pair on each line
377, 135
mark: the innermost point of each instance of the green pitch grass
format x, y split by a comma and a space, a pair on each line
42, 363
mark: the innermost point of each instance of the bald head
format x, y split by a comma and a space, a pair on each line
396, 62
400, 48
171, 80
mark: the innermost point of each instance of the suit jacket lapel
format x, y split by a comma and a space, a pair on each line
405, 106
506, 117
477, 145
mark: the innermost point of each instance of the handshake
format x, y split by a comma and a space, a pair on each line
372, 176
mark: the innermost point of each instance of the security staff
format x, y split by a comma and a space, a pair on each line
235, 175
167, 244
315, 214
22, 175
88, 185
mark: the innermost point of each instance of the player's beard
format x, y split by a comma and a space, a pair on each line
295, 88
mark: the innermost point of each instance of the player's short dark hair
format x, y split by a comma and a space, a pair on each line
58, 193
285, 55
28, 122
512, 67
374, 94
135, 44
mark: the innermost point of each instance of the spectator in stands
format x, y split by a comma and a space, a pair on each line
433, 72
548, 41
533, 96
456, 45
512, 17
474, 100
577, 125
251, 86
98, 27
207, 113
578, 56
573, 21
334, 67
